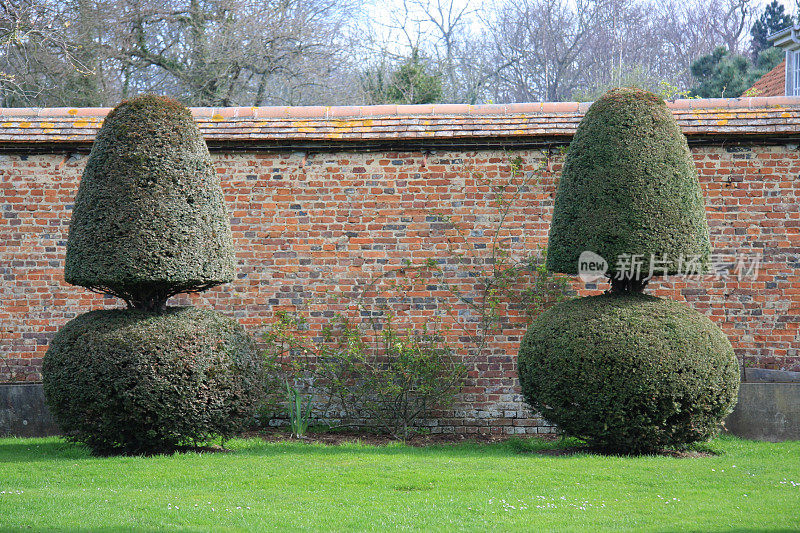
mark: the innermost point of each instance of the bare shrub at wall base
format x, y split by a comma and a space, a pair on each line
389, 379
362, 368
133, 382
634, 373
394, 381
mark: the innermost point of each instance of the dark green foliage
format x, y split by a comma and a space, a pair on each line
721, 74
129, 381
725, 75
150, 222
773, 19
629, 186
410, 83
767, 60
149, 219
630, 372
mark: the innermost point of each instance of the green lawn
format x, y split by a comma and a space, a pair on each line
49, 484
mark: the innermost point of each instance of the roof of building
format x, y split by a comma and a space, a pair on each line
34, 129
773, 83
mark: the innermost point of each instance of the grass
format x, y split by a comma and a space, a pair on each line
47, 484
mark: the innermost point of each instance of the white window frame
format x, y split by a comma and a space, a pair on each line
791, 73
796, 73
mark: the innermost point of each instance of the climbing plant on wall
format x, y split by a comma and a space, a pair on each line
365, 365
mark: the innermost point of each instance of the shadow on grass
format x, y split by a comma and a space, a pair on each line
47, 449
93, 529
128, 529
531, 447
116, 529
57, 449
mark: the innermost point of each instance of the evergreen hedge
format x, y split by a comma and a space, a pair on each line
629, 186
149, 218
625, 371
629, 372
134, 382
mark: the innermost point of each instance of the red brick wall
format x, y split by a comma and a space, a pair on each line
311, 228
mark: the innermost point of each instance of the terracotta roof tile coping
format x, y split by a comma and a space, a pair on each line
328, 112
39, 129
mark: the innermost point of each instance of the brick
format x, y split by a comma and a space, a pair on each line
367, 212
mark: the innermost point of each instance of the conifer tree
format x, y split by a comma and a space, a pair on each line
773, 19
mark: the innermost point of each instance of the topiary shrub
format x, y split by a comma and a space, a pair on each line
150, 222
149, 219
629, 186
625, 371
128, 381
629, 372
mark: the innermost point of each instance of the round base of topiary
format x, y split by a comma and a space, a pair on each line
629, 373
132, 382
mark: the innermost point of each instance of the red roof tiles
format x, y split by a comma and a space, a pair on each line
28, 128
773, 83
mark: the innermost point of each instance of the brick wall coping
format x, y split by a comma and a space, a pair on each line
286, 127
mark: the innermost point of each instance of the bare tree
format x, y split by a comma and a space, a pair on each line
630, 47
205, 52
690, 29
299, 52
543, 43
454, 47
37, 52
730, 22
230, 52
563, 49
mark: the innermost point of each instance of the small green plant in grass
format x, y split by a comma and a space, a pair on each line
299, 410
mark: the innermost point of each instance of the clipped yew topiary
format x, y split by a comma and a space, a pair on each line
129, 381
634, 373
629, 186
150, 222
149, 218
628, 372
